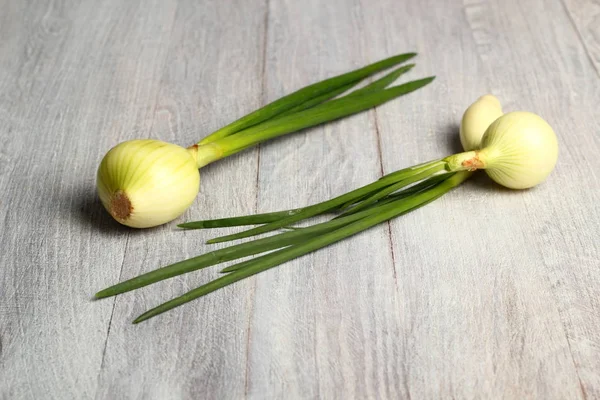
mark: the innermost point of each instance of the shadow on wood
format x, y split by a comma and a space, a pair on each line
85, 208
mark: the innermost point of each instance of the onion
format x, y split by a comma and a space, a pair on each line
145, 183
476, 120
517, 150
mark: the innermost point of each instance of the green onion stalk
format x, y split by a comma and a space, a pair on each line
517, 150
145, 183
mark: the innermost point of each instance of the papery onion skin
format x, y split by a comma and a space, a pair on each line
145, 183
476, 119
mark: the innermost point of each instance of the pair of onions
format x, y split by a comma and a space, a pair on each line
518, 150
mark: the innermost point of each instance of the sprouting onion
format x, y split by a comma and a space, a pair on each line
145, 183
518, 150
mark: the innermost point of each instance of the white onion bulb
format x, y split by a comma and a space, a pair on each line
518, 151
476, 120
521, 149
144, 183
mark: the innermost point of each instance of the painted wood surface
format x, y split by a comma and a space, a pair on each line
485, 293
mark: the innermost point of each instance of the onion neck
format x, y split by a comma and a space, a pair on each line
205, 154
467, 161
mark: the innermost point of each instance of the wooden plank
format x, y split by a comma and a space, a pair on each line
484, 293
561, 231
585, 16
213, 75
473, 320
76, 78
319, 326
564, 88
488, 315
442, 350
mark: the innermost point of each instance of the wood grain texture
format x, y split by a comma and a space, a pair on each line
313, 332
486, 293
567, 248
497, 258
585, 16
213, 75
63, 86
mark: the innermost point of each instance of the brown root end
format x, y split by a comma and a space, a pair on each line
120, 206
473, 164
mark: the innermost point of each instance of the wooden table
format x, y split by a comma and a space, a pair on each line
485, 293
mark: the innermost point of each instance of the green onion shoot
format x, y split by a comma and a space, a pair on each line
517, 150
145, 183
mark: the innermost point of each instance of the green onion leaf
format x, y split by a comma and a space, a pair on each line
260, 264
420, 187
325, 112
379, 84
240, 221
229, 253
387, 191
382, 82
303, 95
316, 101
320, 208
257, 246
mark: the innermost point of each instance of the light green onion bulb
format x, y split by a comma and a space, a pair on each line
518, 150
476, 119
137, 181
